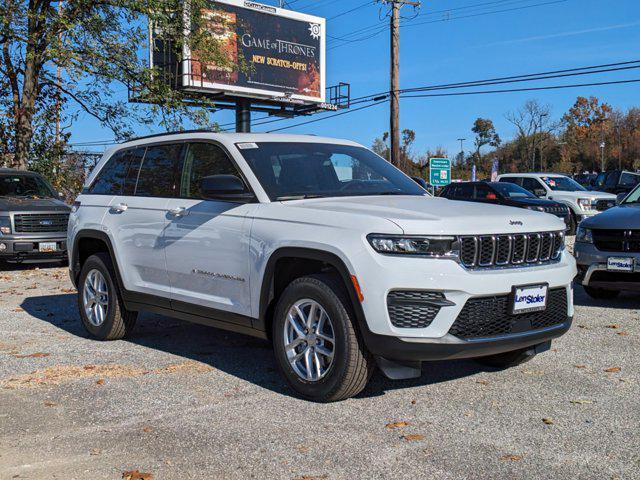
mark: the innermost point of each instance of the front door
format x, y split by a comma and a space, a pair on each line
207, 242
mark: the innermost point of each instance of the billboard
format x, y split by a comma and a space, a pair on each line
271, 53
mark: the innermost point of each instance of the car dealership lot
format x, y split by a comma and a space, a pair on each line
183, 401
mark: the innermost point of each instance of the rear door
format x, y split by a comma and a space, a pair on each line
207, 242
138, 215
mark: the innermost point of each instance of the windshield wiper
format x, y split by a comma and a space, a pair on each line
298, 197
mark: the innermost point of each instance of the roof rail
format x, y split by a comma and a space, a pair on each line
176, 132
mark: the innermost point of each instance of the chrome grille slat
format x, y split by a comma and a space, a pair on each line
500, 251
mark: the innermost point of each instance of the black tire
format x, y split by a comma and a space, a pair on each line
573, 223
508, 359
601, 294
352, 364
119, 322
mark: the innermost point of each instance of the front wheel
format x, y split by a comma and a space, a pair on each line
316, 344
101, 307
601, 294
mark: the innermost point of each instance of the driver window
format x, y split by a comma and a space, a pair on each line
203, 160
531, 184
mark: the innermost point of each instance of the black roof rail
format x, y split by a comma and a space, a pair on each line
176, 132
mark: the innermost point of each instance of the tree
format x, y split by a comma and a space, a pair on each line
485, 135
534, 126
382, 148
95, 45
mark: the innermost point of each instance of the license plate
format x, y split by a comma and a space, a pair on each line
530, 298
48, 247
620, 264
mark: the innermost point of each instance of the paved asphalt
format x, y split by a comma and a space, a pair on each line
181, 401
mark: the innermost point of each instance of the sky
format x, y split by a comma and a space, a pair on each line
449, 41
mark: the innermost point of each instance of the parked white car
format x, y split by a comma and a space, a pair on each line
553, 186
320, 246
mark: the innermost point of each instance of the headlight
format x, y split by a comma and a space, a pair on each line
5, 226
419, 246
585, 204
537, 209
584, 235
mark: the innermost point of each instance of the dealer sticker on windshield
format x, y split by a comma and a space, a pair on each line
531, 298
620, 264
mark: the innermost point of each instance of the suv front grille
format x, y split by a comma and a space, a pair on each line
483, 251
41, 222
489, 316
617, 240
413, 308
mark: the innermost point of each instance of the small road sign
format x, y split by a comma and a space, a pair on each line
440, 172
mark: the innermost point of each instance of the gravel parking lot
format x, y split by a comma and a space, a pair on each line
180, 401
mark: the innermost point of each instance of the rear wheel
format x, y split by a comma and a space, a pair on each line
507, 359
316, 344
101, 307
600, 293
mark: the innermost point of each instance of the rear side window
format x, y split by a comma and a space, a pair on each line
516, 180
464, 190
159, 171
629, 179
203, 160
484, 193
135, 160
111, 178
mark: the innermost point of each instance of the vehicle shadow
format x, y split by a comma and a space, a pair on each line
248, 358
626, 300
21, 267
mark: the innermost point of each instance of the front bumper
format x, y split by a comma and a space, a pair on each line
18, 249
593, 272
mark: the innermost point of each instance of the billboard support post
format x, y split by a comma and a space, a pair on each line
243, 115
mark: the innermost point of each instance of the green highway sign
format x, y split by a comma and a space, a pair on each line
440, 172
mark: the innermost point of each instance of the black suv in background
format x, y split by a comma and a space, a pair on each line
616, 181
507, 194
33, 219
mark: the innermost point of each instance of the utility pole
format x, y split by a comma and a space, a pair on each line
394, 93
461, 140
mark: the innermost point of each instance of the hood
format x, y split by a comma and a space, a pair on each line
437, 216
593, 195
16, 205
621, 217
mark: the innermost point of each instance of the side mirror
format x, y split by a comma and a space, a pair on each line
224, 187
620, 197
540, 192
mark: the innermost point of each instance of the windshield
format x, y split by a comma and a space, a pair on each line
289, 171
24, 186
563, 184
511, 190
633, 197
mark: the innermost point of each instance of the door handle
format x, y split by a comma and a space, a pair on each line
178, 212
120, 208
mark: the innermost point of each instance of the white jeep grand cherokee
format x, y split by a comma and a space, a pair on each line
319, 245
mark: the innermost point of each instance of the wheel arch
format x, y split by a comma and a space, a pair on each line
268, 289
93, 241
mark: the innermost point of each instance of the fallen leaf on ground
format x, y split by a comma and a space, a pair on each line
33, 355
580, 402
580, 366
50, 404
511, 457
482, 382
147, 429
100, 382
614, 326
312, 477
18, 309
95, 451
413, 402
414, 437
612, 370
302, 449
547, 421
583, 326
396, 425
136, 475
622, 334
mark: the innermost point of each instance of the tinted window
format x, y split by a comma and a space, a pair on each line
26, 186
203, 160
464, 190
483, 192
563, 184
600, 179
511, 190
629, 179
514, 180
287, 169
159, 171
531, 184
612, 180
111, 178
